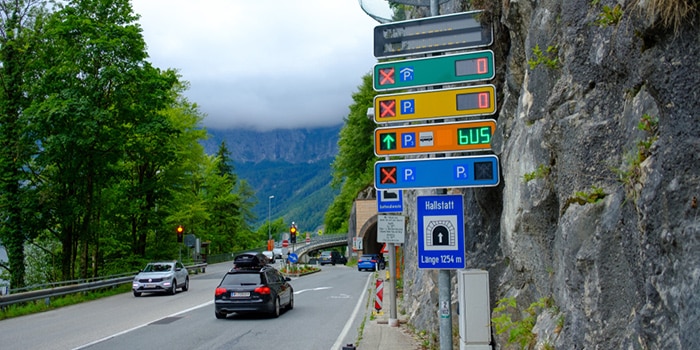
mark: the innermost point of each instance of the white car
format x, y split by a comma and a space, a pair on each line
161, 277
270, 255
280, 252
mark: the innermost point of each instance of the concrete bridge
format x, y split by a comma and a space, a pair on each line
362, 231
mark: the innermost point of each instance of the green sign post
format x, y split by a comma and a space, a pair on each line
447, 69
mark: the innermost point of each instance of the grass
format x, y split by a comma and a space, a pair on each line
549, 58
516, 323
630, 174
541, 172
672, 13
33, 307
610, 16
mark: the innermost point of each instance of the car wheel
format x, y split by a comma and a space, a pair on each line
291, 302
220, 315
173, 290
276, 308
137, 294
187, 284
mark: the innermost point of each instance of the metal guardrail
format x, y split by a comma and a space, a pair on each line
15, 298
77, 286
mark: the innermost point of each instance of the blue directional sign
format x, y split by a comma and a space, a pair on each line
441, 232
293, 258
390, 201
471, 171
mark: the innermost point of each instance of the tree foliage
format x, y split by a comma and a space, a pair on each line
101, 156
353, 167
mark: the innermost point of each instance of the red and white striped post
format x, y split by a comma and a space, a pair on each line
378, 300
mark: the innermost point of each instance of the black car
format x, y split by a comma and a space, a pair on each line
252, 286
332, 257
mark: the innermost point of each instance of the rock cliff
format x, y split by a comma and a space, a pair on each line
599, 143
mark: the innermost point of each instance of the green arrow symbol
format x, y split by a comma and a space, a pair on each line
389, 139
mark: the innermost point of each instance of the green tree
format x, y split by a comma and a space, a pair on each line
20, 28
93, 97
353, 167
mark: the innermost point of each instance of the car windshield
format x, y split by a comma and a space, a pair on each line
157, 268
326, 254
368, 257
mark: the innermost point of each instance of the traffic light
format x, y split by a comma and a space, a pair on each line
293, 233
180, 232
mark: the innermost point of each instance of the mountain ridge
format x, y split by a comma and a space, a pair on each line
293, 165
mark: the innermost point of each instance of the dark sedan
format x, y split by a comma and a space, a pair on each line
253, 290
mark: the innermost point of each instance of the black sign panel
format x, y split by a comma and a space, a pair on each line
432, 34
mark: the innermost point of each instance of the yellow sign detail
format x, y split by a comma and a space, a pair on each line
434, 104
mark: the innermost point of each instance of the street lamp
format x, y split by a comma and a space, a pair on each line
269, 232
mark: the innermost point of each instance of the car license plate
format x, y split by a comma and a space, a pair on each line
240, 294
150, 285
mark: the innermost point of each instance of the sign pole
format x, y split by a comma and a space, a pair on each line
444, 289
393, 319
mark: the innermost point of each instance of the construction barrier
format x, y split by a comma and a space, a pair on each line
378, 300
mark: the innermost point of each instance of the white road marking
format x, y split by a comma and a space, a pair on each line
348, 324
143, 325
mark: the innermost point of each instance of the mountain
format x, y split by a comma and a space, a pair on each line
292, 146
292, 165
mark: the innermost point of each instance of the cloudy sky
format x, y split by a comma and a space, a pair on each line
264, 64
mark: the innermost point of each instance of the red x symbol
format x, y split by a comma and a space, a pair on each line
387, 108
388, 175
386, 76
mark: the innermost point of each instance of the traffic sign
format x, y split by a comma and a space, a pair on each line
390, 201
434, 104
391, 228
293, 258
447, 69
432, 34
471, 171
441, 232
285, 243
434, 138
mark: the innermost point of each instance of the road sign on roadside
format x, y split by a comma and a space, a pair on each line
446, 69
434, 138
390, 201
432, 34
440, 232
435, 104
471, 171
390, 228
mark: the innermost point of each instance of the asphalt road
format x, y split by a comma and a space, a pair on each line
327, 314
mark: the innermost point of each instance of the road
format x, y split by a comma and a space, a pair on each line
328, 310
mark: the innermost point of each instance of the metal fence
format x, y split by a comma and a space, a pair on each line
51, 290
70, 287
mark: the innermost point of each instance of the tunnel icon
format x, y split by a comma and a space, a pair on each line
440, 232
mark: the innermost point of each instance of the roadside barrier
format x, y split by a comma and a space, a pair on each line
379, 298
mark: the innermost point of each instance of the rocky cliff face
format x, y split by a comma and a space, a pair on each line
599, 144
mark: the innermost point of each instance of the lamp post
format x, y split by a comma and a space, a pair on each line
269, 232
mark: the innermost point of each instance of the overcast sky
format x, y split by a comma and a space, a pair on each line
263, 64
